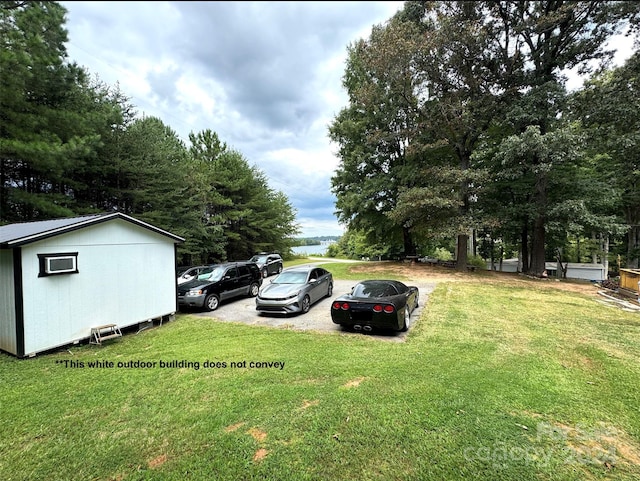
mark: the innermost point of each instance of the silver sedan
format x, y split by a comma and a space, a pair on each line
295, 290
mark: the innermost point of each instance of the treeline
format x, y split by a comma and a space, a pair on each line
71, 145
460, 132
315, 241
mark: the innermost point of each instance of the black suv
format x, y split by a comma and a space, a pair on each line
225, 281
268, 263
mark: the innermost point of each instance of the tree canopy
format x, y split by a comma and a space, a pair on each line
459, 123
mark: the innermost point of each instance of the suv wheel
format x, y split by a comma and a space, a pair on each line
265, 272
212, 302
279, 268
253, 289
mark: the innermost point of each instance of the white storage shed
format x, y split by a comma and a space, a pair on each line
61, 278
575, 270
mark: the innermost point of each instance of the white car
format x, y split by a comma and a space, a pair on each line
186, 274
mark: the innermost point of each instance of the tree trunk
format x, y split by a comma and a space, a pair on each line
462, 245
4, 211
474, 244
633, 246
524, 243
632, 217
537, 243
409, 245
605, 254
493, 267
537, 248
461, 259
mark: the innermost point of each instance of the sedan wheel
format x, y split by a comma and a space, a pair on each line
212, 302
306, 304
330, 289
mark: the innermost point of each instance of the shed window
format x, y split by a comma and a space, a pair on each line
60, 263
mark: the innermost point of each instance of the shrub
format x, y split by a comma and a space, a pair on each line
442, 254
477, 261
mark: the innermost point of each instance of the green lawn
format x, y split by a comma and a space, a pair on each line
493, 383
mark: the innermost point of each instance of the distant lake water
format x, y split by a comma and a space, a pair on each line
317, 250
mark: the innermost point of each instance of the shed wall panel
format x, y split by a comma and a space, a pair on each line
589, 272
8, 341
629, 279
507, 266
595, 273
126, 276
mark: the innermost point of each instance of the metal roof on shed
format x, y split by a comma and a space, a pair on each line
21, 233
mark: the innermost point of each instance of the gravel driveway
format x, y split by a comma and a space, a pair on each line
317, 319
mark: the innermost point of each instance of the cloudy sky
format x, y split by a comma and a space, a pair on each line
265, 76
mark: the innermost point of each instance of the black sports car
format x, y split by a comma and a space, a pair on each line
376, 304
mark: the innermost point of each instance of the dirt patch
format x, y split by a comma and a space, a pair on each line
233, 427
601, 444
260, 455
307, 404
354, 382
157, 462
257, 434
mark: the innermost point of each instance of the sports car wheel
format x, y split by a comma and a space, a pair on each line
306, 304
212, 302
407, 319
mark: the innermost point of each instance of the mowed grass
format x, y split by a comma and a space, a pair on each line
494, 382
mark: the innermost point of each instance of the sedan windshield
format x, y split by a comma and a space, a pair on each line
291, 278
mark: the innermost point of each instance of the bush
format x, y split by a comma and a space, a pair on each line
442, 254
334, 250
477, 261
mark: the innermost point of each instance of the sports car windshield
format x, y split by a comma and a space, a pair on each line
291, 278
374, 290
